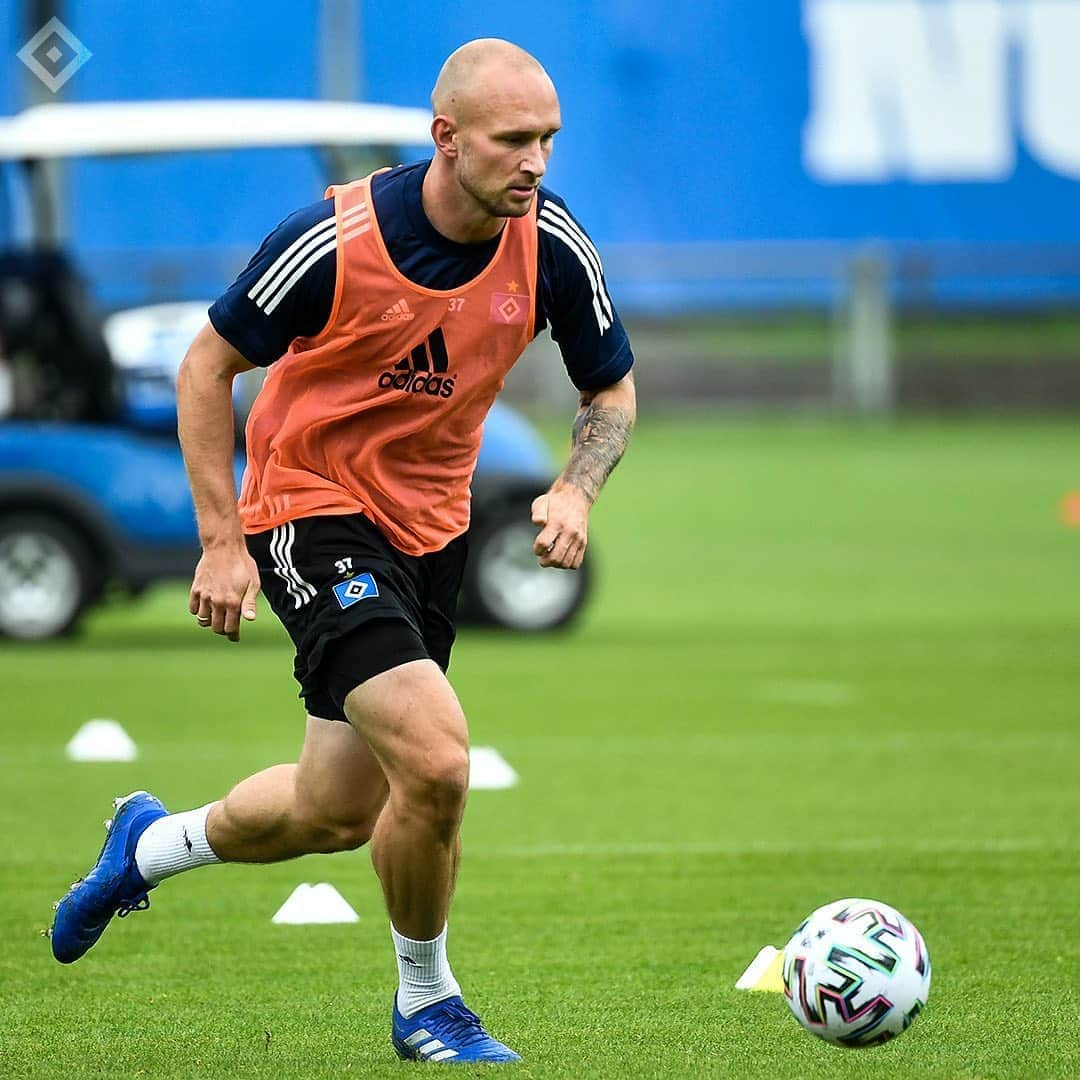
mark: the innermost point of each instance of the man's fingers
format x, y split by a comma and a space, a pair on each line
557, 553
248, 607
563, 515
217, 617
199, 604
552, 552
567, 553
230, 625
540, 510
235, 609
223, 617
546, 542
572, 558
224, 592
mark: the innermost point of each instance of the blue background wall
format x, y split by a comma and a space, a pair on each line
683, 123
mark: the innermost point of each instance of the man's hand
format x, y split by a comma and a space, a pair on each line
601, 430
563, 513
224, 589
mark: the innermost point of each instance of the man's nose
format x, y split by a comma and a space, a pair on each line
534, 163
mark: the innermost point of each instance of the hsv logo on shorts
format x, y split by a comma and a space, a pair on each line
361, 587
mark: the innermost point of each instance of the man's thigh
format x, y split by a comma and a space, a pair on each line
338, 775
411, 719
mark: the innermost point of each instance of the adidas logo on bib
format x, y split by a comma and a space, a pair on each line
423, 371
398, 312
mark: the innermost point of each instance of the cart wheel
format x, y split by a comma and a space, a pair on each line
47, 576
505, 585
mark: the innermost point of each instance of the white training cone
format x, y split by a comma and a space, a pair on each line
101, 740
489, 769
320, 903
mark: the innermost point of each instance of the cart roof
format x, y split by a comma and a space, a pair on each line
71, 129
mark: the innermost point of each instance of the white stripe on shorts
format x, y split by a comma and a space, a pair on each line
281, 544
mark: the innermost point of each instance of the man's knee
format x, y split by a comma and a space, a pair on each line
433, 791
412, 719
441, 781
330, 833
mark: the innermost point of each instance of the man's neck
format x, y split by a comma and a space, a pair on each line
452, 211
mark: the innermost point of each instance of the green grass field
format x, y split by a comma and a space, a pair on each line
823, 660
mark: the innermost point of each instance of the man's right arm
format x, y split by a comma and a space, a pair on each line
226, 579
251, 324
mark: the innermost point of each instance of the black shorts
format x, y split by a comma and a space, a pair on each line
353, 604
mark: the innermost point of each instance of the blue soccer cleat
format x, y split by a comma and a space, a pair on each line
447, 1032
112, 887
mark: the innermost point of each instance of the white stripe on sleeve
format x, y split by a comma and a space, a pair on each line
298, 253
271, 302
557, 215
300, 245
601, 316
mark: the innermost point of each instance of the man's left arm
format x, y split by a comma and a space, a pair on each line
601, 432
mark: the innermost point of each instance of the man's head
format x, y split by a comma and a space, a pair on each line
496, 113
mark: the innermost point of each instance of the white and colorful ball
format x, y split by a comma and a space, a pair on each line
856, 973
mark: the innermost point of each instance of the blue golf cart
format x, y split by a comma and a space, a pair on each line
94, 500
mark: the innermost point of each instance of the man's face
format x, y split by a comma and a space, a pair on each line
505, 142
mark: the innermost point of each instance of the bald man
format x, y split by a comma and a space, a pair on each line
388, 315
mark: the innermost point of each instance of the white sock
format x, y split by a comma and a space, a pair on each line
173, 844
424, 973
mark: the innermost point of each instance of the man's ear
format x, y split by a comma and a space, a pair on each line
443, 134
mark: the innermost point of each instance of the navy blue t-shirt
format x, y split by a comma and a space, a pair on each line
572, 295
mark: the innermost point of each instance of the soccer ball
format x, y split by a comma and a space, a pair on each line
856, 973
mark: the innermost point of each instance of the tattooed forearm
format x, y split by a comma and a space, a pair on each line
601, 432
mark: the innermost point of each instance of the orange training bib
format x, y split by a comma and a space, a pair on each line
382, 412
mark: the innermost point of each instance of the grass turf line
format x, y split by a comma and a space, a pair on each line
823, 660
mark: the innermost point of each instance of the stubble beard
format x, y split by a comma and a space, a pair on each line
494, 206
